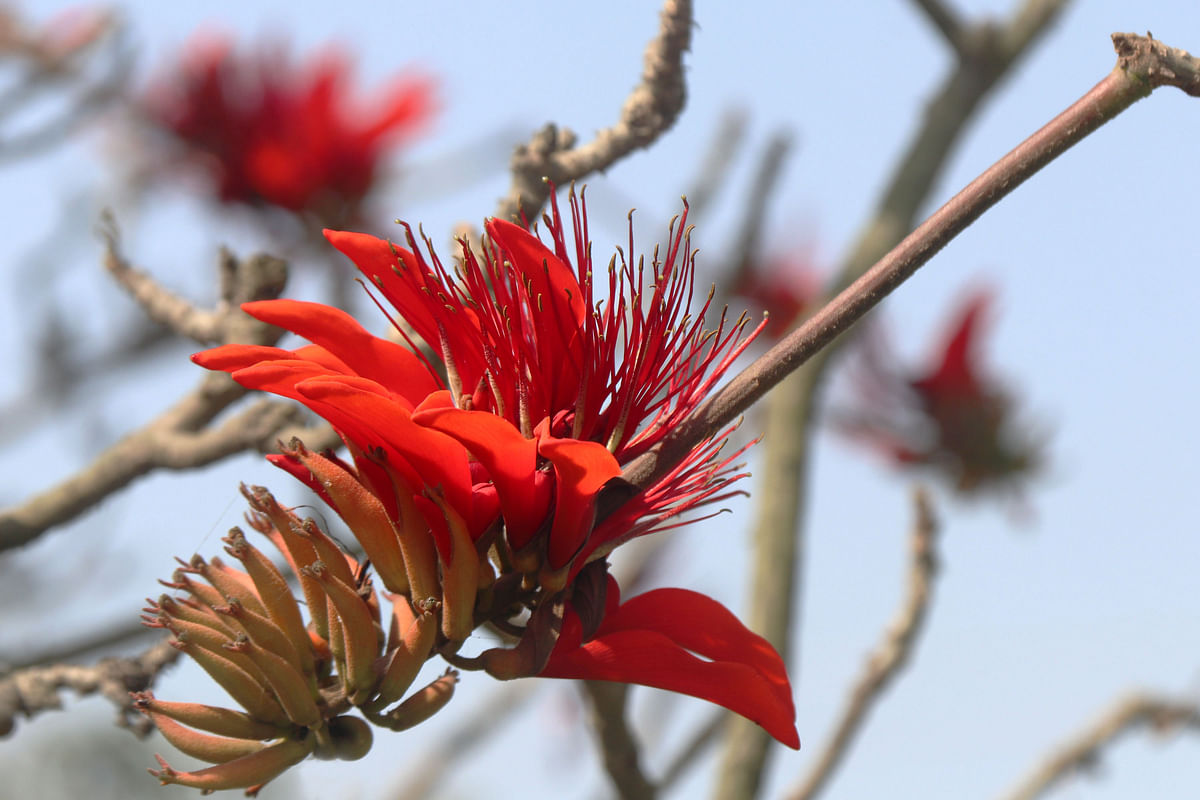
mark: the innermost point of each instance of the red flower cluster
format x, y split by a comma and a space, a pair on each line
952, 417
271, 133
475, 476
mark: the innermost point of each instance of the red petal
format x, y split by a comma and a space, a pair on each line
580, 469
385, 362
509, 458
557, 305
418, 296
439, 459
645, 651
957, 374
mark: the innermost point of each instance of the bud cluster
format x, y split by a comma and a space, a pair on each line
296, 681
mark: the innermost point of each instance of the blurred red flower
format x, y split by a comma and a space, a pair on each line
783, 286
271, 132
952, 417
547, 392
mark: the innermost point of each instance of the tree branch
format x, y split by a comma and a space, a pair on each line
1115, 93
651, 108
945, 19
889, 658
178, 438
985, 56
617, 745
1083, 751
33, 690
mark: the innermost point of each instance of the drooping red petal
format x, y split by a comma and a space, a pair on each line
580, 469
637, 643
385, 362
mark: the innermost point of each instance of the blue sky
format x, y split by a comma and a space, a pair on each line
1035, 626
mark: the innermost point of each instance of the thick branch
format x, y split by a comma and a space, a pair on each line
889, 658
1083, 751
1119, 90
36, 689
651, 108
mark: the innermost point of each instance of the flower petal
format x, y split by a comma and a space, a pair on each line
580, 469
647, 641
385, 362
509, 458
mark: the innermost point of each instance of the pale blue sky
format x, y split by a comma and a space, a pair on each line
1035, 627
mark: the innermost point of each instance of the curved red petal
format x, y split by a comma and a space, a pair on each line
439, 459
650, 658
557, 305
957, 373
580, 469
419, 298
385, 362
698, 623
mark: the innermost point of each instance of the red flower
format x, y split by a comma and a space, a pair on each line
271, 133
548, 393
952, 417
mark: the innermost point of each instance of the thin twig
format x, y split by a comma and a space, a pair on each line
159, 304
715, 166
889, 658
36, 689
762, 188
74, 649
649, 110
1082, 752
617, 745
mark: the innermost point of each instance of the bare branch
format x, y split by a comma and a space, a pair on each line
1119, 90
889, 658
75, 648
617, 745
178, 438
651, 108
945, 19
1083, 751
62, 67
1159, 64
158, 303
766, 178
36, 689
